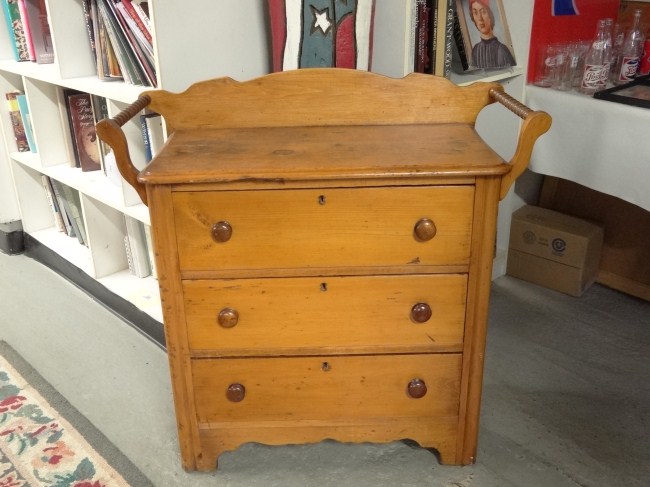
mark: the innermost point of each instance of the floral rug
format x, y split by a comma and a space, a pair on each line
39, 447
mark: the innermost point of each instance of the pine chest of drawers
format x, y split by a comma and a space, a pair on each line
324, 244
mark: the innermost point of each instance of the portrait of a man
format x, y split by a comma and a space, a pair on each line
487, 33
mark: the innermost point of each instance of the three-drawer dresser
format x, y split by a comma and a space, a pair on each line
324, 242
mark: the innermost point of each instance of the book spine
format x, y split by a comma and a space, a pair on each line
17, 122
73, 208
145, 138
27, 30
83, 131
90, 29
40, 31
10, 29
65, 216
449, 38
138, 18
23, 107
54, 205
460, 45
18, 30
138, 246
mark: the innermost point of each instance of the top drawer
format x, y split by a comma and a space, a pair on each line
323, 228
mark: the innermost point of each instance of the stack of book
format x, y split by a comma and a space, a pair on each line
65, 203
29, 30
431, 34
120, 38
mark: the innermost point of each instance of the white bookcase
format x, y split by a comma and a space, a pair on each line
201, 40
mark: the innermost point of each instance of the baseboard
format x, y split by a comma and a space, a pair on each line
127, 311
11, 237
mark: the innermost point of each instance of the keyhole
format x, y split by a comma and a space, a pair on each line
321, 199
326, 367
323, 286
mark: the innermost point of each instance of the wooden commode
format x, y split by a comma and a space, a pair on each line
324, 243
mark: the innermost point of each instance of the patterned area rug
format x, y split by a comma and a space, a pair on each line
39, 446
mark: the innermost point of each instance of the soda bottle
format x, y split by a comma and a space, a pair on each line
597, 61
618, 37
609, 46
631, 51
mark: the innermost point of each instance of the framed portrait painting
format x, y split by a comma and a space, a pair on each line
485, 34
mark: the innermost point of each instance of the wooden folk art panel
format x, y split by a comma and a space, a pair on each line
321, 33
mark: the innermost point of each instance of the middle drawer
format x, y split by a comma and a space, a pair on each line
234, 317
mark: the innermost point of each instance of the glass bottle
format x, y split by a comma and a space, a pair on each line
631, 51
596, 61
609, 47
618, 37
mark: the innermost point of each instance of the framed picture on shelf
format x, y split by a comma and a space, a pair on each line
485, 34
636, 93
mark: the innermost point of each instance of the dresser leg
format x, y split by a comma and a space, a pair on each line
206, 463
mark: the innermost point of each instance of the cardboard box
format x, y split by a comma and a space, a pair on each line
554, 250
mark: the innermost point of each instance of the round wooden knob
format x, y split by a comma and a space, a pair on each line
417, 388
424, 229
235, 392
228, 317
421, 312
221, 231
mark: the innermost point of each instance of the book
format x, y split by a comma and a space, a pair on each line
10, 29
153, 125
140, 52
54, 204
140, 18
136, 66
17, 121
460, 61
150, 251
100, 112
449, 38
82, 128
64, 208
39, 27
26, 117
90, 27
108, 67
137, 247
16, 29
424, 13
26, 29
72, 203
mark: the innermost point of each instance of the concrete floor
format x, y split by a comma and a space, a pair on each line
566, 394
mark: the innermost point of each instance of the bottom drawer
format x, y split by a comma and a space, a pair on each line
326, 388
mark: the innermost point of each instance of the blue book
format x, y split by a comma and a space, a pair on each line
10, 29
27, 122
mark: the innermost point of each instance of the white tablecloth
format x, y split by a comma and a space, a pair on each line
599, 144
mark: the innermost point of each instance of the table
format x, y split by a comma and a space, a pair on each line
599, 144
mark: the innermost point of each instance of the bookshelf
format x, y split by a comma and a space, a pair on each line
211, 39
186, 51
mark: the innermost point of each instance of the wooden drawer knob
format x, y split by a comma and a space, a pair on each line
421, 313
417, 388
221, 231
424, 230
228, 317
235, 392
